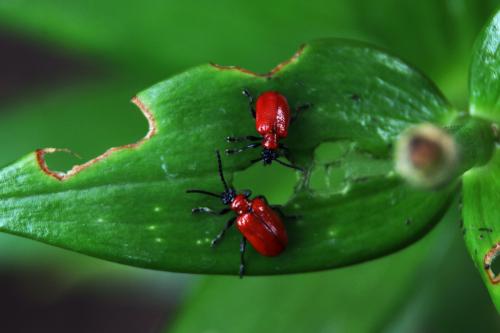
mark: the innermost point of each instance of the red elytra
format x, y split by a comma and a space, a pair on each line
258, 223
272, 119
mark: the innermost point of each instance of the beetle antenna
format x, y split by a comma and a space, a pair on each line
204, 192
221, 173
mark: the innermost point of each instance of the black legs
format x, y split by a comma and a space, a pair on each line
229, 224
242, 149
221, 234
250, 102
233, 139
250, 138
299, 110
207, 210
243, 247
288, 165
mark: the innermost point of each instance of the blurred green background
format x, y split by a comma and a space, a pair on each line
68, 70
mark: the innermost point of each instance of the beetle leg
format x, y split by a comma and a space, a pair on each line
299, 110
283, 146
229, 224
242, 149
207, 210
243, 247
242, 138
284, 150
250, 101
246, 193
291, 166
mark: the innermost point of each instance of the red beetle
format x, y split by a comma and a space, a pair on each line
255, 219
272, 119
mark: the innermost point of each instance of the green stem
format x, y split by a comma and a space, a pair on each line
475, 139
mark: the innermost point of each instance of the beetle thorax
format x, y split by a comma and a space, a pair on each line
270, 141
241, 204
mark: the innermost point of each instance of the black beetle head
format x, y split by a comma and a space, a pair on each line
227, 197
269, 155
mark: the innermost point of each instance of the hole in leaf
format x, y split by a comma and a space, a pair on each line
492, 263
62, 161
337, 165
495, 266
273, 181
90, 135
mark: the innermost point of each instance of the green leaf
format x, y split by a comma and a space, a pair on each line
481, 185
484, 82
415, 290
69, 117
129, 205
72, 117
481, 216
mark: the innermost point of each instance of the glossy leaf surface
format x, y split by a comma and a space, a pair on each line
129, 205
482, 185
481, 222
484, 82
